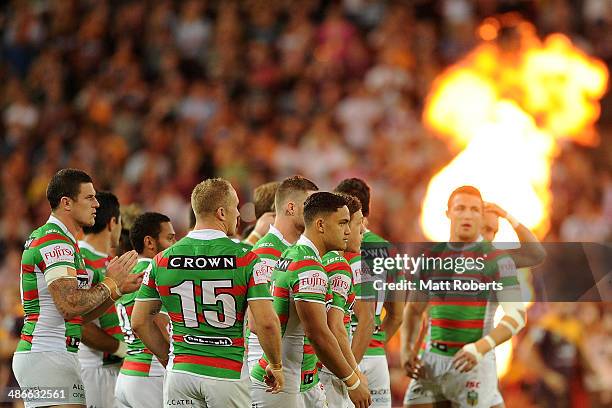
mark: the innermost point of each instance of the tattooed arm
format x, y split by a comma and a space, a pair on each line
72, 301
143, 324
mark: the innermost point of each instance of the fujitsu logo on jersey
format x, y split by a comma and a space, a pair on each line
202, 262
57, 253
313, 282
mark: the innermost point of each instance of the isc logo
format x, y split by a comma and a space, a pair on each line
472, 384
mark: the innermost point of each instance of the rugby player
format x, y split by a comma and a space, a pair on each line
102, 348
369, 348
458, 365
340, 299
289, 198
140, 382
299, 286
263, 198
204, 282
57, 294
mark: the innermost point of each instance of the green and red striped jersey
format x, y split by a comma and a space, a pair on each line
298, 276
139, 362
95, 265
340, 293
45, 329
269, 248
373, 246
458, 317
204, 282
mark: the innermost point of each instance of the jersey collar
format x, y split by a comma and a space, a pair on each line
305, 241
468, 246
144, 259
206, 234
87, 245
54, 220
274, 231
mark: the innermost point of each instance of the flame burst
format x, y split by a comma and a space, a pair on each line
505, 107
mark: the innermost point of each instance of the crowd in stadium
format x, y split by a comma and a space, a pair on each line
150, 97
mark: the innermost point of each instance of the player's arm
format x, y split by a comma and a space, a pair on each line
314, 319
162, 321
143, 324
512, 322
72, 301
413, 315
364, 311
261, 228
269, 338
96, 338
532, 253
335, 322
393, 318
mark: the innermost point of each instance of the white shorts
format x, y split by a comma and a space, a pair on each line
441, 382
335, 390
182, 389
376, 370
53, 369
133, 391
100, 385
313, 398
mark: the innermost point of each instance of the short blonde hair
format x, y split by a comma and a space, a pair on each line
263, 197
209, 195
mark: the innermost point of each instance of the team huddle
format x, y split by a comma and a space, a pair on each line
285, 318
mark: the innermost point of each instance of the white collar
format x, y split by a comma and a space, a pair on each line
274, 231
54, 220
144, 259
206, 234
305, 241
468, 246
87, 245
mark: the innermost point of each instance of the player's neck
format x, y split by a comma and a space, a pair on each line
100, 242
210, 224
71, 225
147, 254
317, 240
286, 226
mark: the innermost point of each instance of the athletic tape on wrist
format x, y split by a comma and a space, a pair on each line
490, 340
345, 379
354, 386
471, 348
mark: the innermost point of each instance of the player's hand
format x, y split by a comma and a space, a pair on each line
363, 378
119, 268
263, 223
411, 363
131, 283
465, 359
496, 209
360, 396
274, 379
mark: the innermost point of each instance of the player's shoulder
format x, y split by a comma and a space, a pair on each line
372, 238
333, 257
47, 234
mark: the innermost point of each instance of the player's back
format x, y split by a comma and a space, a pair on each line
203, 281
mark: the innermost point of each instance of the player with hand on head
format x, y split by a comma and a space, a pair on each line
289, 198
299, 286
368, 348
340, 299
458, 365
140, 382
263, 197
57, 293
205, 281
102, 347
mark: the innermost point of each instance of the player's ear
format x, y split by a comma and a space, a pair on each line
221, 213
290, 208
447, 214
66, 203
320, 225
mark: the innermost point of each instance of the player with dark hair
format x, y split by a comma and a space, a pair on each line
102, 348
287, 227
205, 282
341, 266
58, 295
140, 382
299, 286
374, 362
458, 364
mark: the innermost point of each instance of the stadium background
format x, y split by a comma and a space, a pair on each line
152, 96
